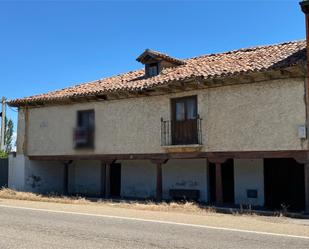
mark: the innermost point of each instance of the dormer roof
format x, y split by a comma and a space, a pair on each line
150, 56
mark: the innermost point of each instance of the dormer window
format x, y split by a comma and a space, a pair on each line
152, 69
155, 62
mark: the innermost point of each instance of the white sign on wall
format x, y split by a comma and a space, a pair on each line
302, 131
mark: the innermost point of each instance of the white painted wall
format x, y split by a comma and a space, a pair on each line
16, 172
248, 174
47, 177
85, 178
185, 174
44, 176
138, 179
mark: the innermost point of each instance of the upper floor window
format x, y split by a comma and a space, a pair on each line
185, 122
85, 119
185, 108
152, 69
84, 131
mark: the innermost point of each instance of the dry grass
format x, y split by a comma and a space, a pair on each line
191, 207
6, 193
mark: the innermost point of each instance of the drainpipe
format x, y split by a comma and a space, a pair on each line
305, 8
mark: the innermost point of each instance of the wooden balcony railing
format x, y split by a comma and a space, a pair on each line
184, 132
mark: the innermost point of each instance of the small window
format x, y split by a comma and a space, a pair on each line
85, 119
152, 69
84, 131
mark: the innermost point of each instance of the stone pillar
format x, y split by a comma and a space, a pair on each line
219, 188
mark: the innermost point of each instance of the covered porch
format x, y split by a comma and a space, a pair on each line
273, 180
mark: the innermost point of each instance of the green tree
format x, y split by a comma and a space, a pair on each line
8, 135
3, 154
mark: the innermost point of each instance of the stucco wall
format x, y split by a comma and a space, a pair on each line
16, 172
85, 178
138, 179
35, 176
185, 174
260, 116
248, 174
48, 176
44, 177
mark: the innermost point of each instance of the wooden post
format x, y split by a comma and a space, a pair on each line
306, 173
219, 188
66, 178
219, 185
159, 185
159, 182
103, 176
107, 180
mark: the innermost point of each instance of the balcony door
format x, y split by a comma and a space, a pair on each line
184, 121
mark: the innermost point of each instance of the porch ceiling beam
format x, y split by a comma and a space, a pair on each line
299, 154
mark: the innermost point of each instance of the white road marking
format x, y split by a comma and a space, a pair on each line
158, 221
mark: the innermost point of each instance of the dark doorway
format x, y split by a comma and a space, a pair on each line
227, 171
115, 180
184, 120
4, 169
284, 184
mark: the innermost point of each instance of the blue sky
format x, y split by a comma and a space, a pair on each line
47, 45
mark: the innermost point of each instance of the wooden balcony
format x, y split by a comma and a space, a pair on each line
181, 136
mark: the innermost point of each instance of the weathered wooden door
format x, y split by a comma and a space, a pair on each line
184, 121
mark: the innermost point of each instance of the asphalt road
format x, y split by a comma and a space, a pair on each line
21, 228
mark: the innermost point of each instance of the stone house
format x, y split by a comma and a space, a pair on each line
226, 128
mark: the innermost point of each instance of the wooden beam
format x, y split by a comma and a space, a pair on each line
26, 134
219, 187
188, 155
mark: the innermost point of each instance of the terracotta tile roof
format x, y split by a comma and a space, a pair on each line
233, 63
